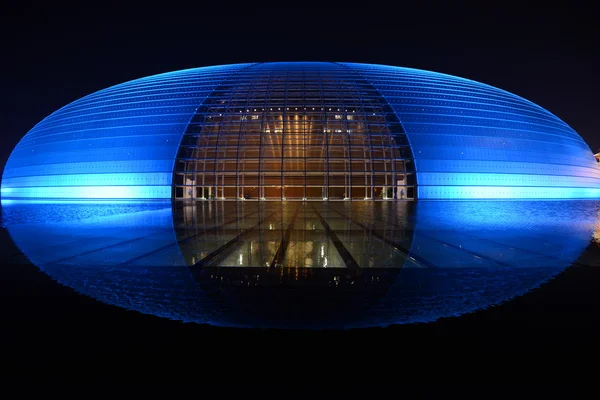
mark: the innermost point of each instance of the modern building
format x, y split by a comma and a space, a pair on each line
301, 130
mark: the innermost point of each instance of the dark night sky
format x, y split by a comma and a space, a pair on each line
53, 54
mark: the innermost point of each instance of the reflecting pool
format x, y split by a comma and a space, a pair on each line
304, 265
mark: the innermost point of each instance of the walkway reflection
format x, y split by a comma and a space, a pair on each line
290, 235
302, 264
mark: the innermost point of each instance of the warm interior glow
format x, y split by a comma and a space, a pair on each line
337, 140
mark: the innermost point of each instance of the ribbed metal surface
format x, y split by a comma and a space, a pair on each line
471, 140
119, 142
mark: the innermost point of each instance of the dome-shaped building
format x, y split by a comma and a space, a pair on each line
301, 130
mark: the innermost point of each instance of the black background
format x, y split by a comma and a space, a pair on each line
53, 53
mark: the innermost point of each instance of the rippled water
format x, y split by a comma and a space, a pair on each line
307, 265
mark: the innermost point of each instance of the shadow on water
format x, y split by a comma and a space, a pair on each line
305, 265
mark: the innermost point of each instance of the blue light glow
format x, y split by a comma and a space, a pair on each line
467, 139
472, 140
90, 192
117, 143
506, 192
418, 262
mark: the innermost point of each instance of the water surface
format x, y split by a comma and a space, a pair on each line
310, 265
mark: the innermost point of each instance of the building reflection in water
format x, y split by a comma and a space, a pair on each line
307, 265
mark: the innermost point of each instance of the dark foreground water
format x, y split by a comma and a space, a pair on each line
118, 276
304, 265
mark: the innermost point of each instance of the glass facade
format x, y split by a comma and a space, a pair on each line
301, 131
295, 131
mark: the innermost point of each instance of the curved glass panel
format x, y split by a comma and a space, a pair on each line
295, 131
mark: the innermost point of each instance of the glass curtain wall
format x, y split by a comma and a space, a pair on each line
301, 131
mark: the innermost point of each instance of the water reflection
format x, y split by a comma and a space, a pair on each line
303, 265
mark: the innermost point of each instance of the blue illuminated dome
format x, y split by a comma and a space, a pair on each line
302, 130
